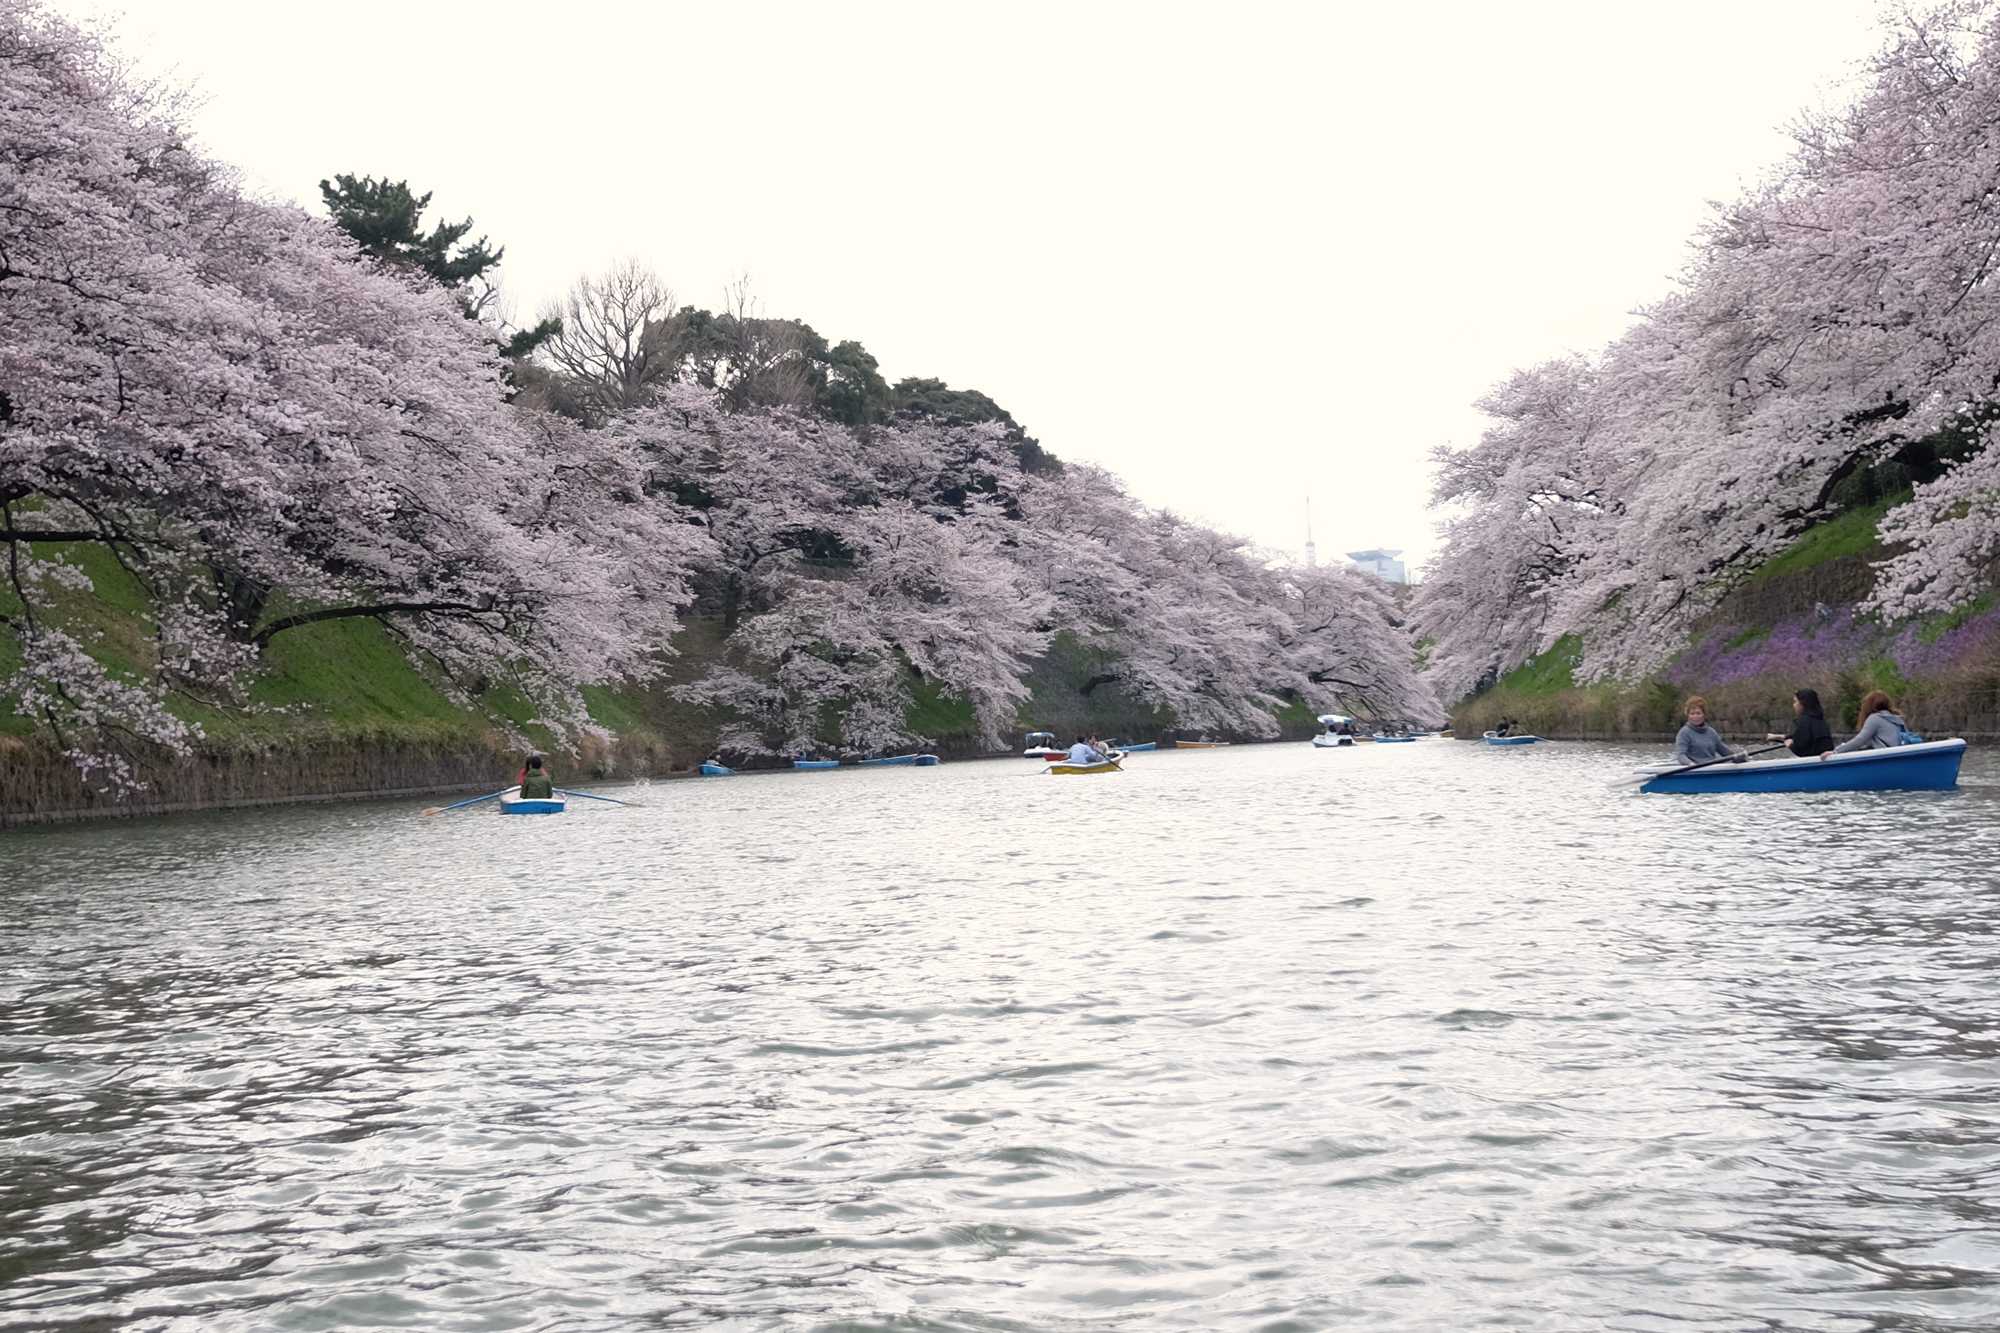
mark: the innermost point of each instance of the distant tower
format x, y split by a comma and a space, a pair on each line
1312, 552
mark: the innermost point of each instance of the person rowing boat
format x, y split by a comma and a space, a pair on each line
1698, 743
1083, 752
535, 782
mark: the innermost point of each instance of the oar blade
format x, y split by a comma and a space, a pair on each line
613, 800
460, 805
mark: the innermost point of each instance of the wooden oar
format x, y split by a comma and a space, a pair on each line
588, 797
1741, 755
460, 805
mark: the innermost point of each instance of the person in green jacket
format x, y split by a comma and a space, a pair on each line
535, 783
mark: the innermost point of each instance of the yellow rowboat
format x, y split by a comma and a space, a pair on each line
1078, 770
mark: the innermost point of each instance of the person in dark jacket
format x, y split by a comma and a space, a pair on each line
1810, 734
535, 784
1699, 743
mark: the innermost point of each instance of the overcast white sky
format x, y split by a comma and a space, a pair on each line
1238, 253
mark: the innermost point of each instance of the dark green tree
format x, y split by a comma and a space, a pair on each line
853, 390
387, 221
935, 398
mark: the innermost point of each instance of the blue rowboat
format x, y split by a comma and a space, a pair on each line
1932, 766
1393, 740
815, 763
711, 770
1136, 747
513, 803
900, 760
1493, 738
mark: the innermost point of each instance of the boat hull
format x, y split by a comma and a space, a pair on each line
1199, 745
815, 764
1932, 766
1331, 742
1142, 745
900, 761
717, 771
1394, 740
1081, 770
522, 805
1491, 739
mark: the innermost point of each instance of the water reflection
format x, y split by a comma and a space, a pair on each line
1423, 1037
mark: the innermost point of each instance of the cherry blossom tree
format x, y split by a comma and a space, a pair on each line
268, 431
847, 568
1538, 497
1839, 316
1197, 623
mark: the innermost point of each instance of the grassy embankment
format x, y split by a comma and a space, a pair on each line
1793, 622
341, 709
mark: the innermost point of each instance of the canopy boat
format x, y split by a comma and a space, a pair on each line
513, 803
1042, 745
1079, 770
1495, 738
815, 763
900, 760
1339, 731
711, 769
1930, 766
1199, 745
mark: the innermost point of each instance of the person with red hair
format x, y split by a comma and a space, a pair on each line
1878, 727
1699, 743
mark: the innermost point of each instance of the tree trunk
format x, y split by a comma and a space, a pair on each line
243, 601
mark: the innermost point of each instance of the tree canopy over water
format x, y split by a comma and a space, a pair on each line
272, 421
1833, 336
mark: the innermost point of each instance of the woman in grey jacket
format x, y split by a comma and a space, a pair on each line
1699, 743
1879, 727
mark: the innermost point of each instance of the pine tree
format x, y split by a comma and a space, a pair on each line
386, 220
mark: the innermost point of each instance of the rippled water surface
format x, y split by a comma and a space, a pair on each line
1425, 1037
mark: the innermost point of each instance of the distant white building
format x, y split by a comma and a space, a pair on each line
1382, 564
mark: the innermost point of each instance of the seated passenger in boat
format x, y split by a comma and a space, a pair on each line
1810, 734
1698, 743
1083, 752
1879, 727
535, 784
